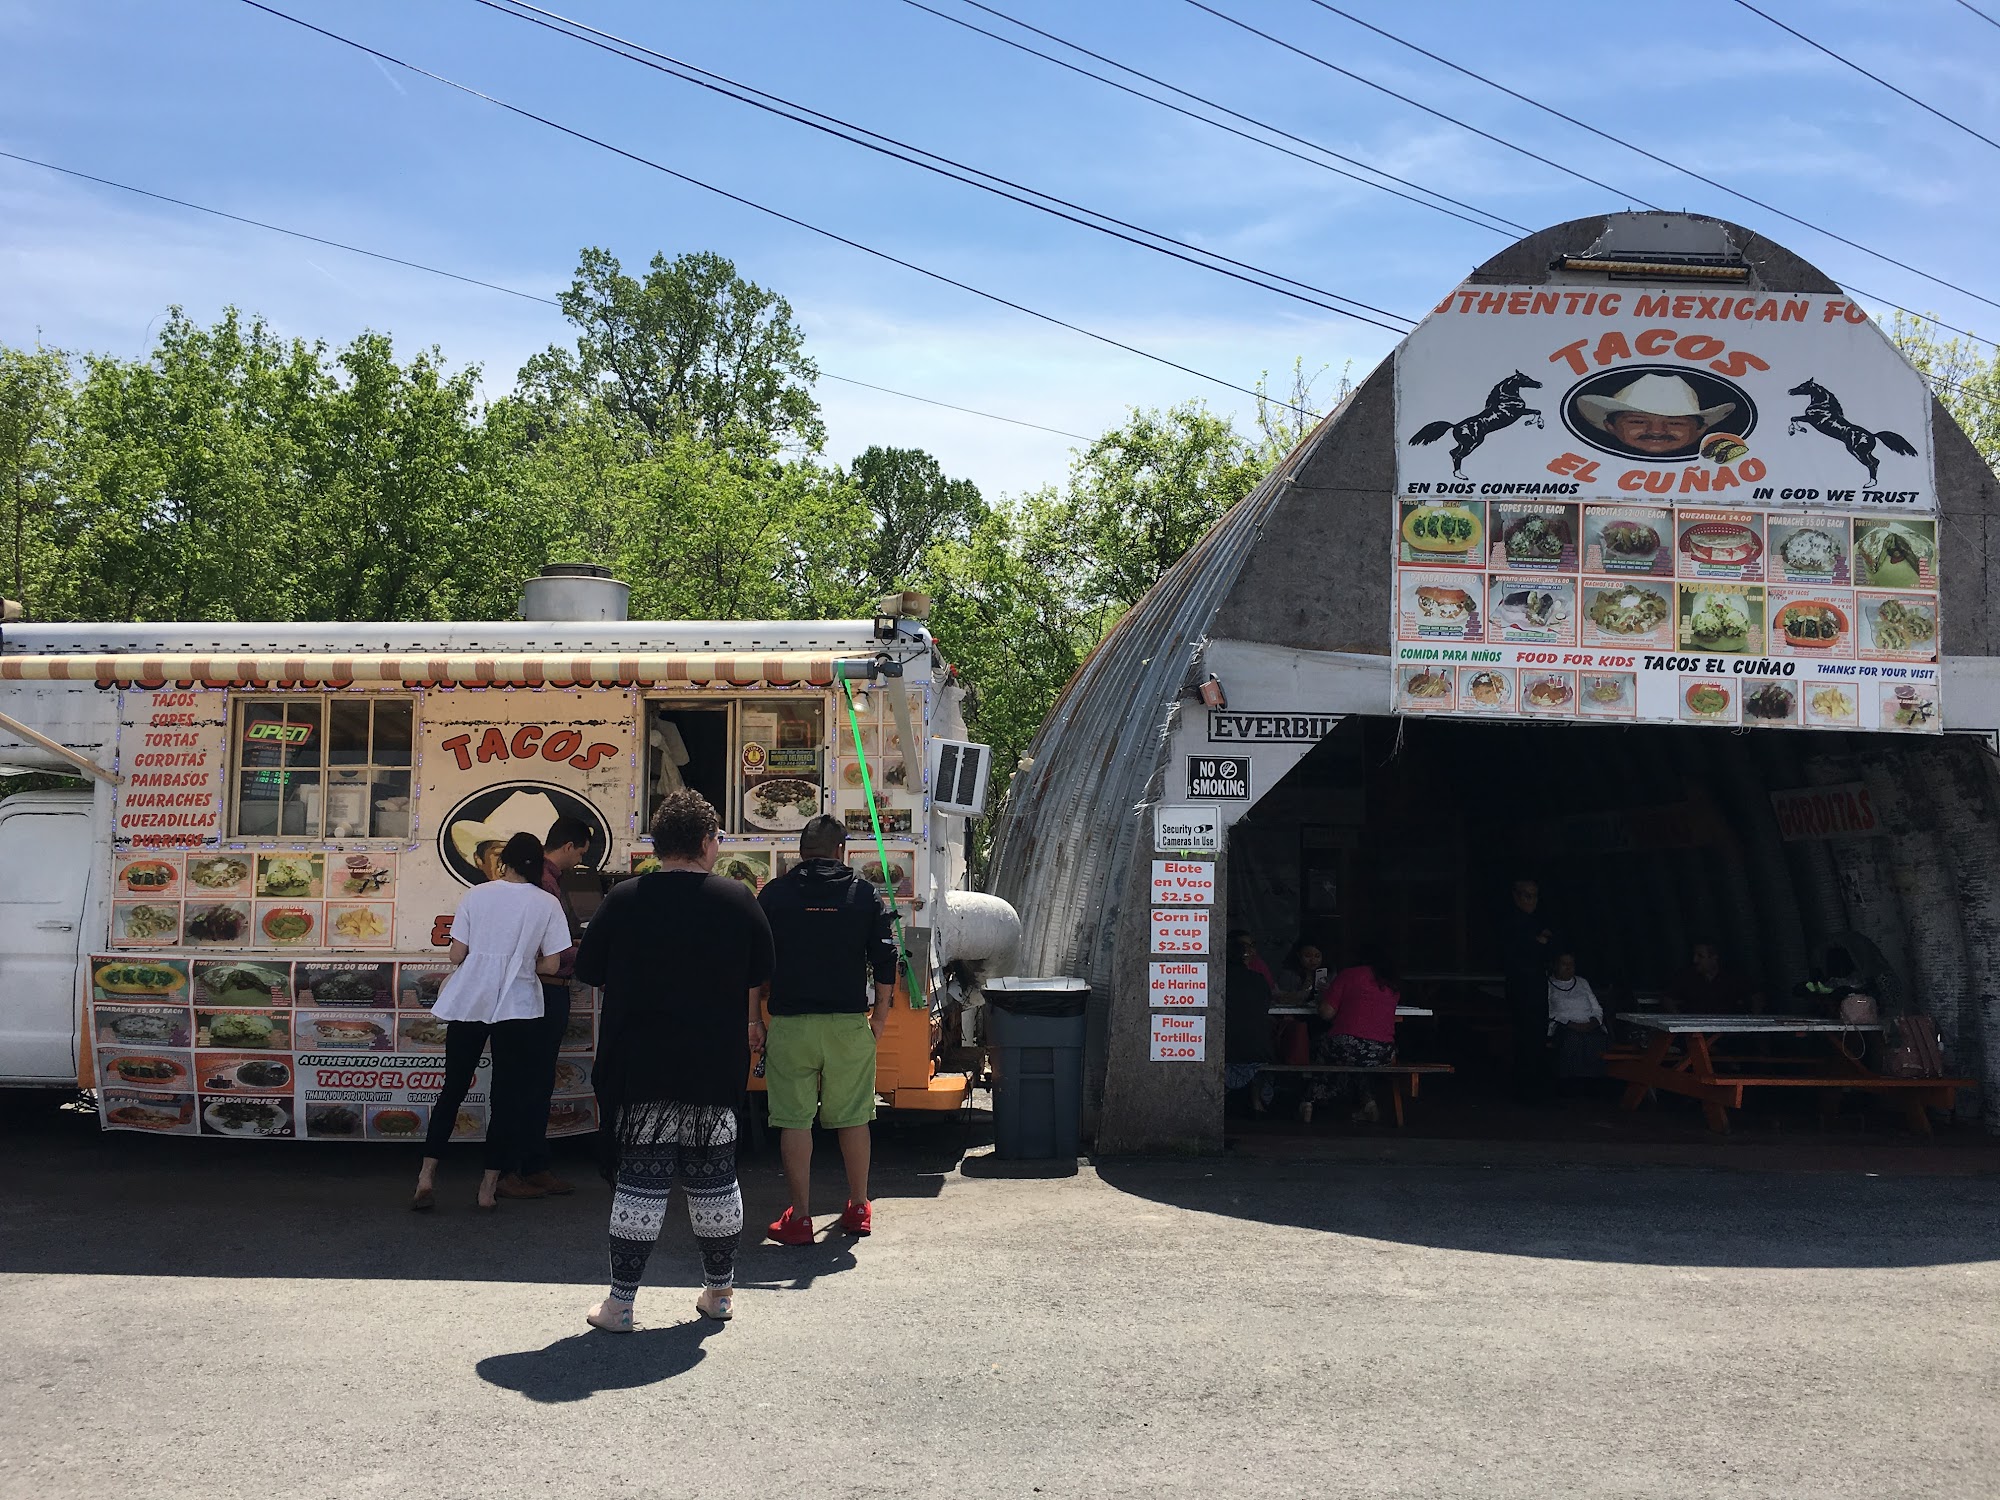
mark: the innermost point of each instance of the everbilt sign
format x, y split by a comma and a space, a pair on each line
1269, 729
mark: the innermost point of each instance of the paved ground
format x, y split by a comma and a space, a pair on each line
183, 1318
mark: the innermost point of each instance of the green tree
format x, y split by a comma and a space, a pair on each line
1963, 376
915, 508
1144, 493
692, 349
35, 412
184, 476
402, 518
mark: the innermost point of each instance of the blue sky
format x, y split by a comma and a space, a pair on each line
213, 101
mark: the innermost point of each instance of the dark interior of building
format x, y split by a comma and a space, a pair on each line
1644, 841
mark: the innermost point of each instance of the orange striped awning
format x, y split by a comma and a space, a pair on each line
643, 669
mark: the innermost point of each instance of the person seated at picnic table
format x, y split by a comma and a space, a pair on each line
1358, 1010
1576, 1021
1300, 982
1252, 959
1706, 988
1246, 1047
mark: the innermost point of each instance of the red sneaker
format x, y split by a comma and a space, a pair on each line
858, 1218
790, 1229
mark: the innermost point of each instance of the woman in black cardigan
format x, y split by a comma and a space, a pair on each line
681, 955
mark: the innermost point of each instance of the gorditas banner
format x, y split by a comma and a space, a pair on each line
1678, 395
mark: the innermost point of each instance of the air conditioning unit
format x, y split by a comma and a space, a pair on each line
959, 773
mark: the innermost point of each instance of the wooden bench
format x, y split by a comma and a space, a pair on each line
1401, 1074
1681, 1059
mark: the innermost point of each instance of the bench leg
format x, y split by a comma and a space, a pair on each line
1716, 1115
1396, 1093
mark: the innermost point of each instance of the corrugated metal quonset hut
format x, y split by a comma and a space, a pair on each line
1645, 564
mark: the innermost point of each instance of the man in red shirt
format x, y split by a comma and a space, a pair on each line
567, 844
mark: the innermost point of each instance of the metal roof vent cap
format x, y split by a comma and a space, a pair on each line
575, 591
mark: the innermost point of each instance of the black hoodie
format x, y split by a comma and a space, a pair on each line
831, 931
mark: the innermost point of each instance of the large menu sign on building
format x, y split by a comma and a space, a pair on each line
1664, 505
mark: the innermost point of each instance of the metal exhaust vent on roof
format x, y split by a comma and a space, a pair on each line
575, 591
1711, 268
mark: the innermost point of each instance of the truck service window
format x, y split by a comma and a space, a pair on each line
305, 766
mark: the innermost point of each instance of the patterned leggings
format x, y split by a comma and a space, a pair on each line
697, 1142
1347, 1051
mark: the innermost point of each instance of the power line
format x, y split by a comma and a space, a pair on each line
931, 161
1382, 88
1649, 155
491, 286
931, 401
1006, 41
738, 198
1570, 171
297, 234
1849, 62
1979, 13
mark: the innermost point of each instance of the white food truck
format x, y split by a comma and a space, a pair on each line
237, 929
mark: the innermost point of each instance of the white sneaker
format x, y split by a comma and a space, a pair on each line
1306, 1112
1368, 1114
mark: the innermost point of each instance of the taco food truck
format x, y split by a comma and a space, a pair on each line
238, 927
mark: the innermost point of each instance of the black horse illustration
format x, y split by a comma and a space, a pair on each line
1823, 414
1504, 407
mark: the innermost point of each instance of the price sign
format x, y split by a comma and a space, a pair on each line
1178, 1038
1177, 986
1180, 932
1183, 882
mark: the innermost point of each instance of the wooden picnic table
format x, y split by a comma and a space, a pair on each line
1718, 1081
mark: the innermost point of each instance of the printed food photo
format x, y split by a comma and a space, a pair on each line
218, 923
235, 982
240, 1030
146, 924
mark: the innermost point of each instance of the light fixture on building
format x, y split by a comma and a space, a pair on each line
1211, 693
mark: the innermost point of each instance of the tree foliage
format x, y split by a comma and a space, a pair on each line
237, 474
1962, 375
689, 350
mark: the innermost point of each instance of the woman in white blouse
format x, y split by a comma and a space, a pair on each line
1576, 1021
506, 934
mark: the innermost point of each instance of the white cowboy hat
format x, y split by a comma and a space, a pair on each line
524, 812
1656, 396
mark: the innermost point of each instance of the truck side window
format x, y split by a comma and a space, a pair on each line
306, 766
687, 745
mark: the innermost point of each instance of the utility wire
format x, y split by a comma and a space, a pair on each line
1849, 62
837, 238
969, 411
1649, 155
1979, 13
1570, 171
491, 286
1007, 41
1382, 88
297, 234
931, 161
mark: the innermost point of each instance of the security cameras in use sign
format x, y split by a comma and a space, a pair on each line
1219, 777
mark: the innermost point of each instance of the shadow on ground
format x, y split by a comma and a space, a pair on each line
578, 1367
1476, 1197
83, 1201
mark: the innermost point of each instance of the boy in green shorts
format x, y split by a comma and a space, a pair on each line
830, 993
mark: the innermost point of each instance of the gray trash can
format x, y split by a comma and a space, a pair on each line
1035, 1027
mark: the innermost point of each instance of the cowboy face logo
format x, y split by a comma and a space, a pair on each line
476, 830
1660, 413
